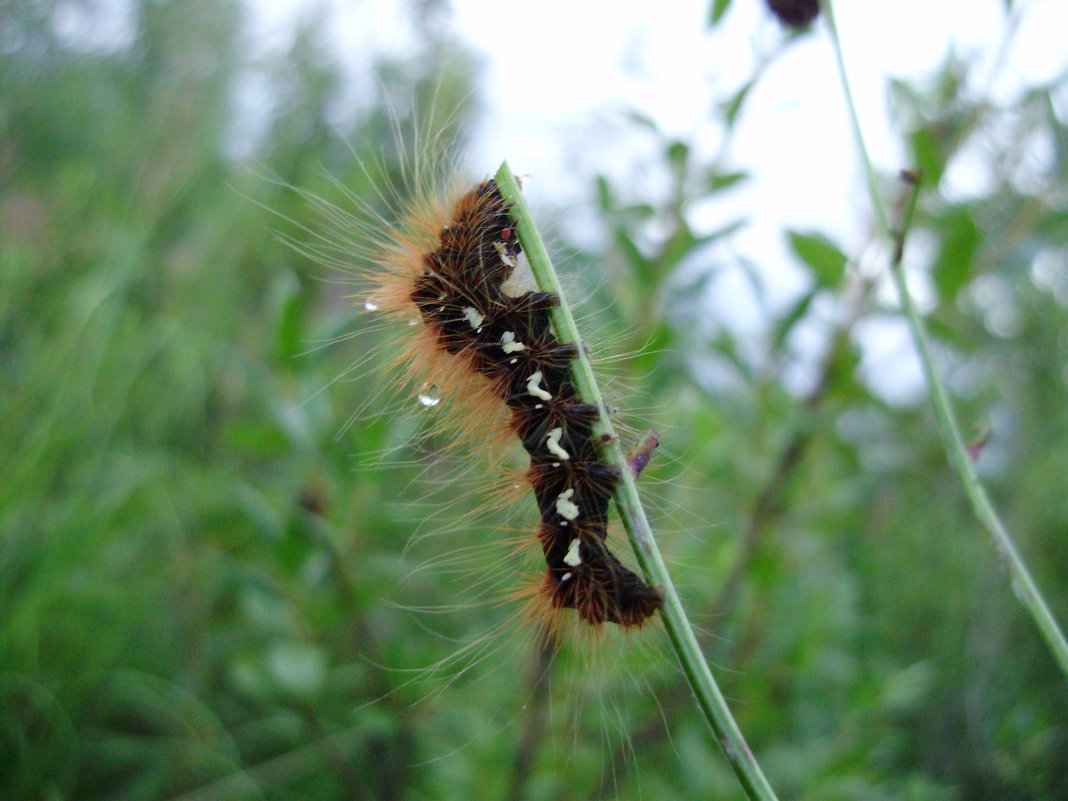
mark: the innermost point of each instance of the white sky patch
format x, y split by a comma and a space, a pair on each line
561, 120
890, 364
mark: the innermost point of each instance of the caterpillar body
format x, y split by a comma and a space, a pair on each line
450, 270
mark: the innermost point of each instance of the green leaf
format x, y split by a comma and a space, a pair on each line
718, 181
641, 267
726, 345
256, 439
720, 233
678, 152
640, 211
754, 276
291, 328
1057, 131
719, 8
291, 304
821, 255
733, 107
843, 364
782, 328
927, 155
643, 120
606, 198
960, 241
683, 243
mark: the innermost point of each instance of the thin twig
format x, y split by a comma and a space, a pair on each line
765, 512
709, 698
1023, 585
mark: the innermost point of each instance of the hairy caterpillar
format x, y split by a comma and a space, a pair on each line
448, 269
504, 362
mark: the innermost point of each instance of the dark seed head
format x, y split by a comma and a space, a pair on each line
795, 13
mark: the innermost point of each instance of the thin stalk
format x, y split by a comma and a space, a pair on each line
1023, 585
709, 698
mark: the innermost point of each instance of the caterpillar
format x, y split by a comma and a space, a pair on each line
448, 269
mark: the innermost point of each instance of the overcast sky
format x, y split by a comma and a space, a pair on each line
557, 76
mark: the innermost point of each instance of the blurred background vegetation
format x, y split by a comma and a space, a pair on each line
208, 573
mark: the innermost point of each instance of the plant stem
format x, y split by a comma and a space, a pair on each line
1022, 584
709, 698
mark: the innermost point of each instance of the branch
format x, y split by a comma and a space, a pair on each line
1023, 585
709, 699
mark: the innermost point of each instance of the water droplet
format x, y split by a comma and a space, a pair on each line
370, 305
428, 395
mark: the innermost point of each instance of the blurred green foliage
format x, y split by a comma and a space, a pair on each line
223, 542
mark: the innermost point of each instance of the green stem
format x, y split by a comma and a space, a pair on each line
709, 698
1023, 585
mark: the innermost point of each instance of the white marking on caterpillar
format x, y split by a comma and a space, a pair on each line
573, 557
506, 257
553, 444
565, 577
472, 316
534, 387
509, 343
565, 507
